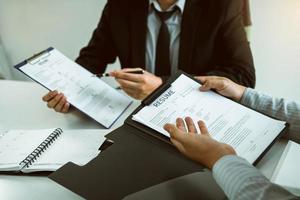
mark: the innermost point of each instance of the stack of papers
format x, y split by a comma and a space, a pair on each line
287, 171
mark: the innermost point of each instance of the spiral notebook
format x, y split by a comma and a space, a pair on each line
47, 150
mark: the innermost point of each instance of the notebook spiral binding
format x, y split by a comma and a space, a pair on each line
29, 160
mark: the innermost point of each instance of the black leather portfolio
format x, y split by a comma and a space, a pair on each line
193, 186
142, 158
138, 159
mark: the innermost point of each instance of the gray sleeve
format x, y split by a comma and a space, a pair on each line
241, 181
278, 108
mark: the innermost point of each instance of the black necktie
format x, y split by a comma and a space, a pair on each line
162, 62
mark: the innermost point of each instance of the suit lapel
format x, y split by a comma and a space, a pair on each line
189, 27
139, 13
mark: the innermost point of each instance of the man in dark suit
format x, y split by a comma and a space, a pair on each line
199, 37
246, 13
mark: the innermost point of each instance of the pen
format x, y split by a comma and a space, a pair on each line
108, 74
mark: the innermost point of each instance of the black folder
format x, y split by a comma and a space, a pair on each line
138, 159
193, 186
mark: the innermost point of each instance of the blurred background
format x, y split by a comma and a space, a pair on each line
29, 26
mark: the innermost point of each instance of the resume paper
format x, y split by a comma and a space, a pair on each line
246, 130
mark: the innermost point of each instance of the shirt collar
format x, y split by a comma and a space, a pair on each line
180, 4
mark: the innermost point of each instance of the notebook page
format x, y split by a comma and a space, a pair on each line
16, 145
247, 131
77, 146
87, 93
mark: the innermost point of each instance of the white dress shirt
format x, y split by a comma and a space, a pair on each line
153, 27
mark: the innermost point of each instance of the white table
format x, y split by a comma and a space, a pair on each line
21, 107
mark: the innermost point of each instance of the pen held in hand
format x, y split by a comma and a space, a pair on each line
102, 75
108, 74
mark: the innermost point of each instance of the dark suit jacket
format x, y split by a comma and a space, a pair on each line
213, 40
246, 13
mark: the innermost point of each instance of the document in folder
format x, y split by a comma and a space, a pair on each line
89, 94
247, 131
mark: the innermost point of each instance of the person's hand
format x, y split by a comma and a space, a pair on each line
138, 86
198, 147
57, 101
223, 86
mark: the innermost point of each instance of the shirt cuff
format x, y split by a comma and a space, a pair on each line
247, 97
232, 174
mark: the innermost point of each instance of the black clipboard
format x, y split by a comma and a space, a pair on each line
148, 131
119, 169
43, 55
135, 161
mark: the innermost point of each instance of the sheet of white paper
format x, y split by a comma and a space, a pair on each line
247, 131
87, 93
77, 146
16, 145
287, 173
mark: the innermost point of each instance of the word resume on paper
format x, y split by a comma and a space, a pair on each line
89, 94
246, 130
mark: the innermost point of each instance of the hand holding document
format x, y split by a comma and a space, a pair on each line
247, 131
84, 91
